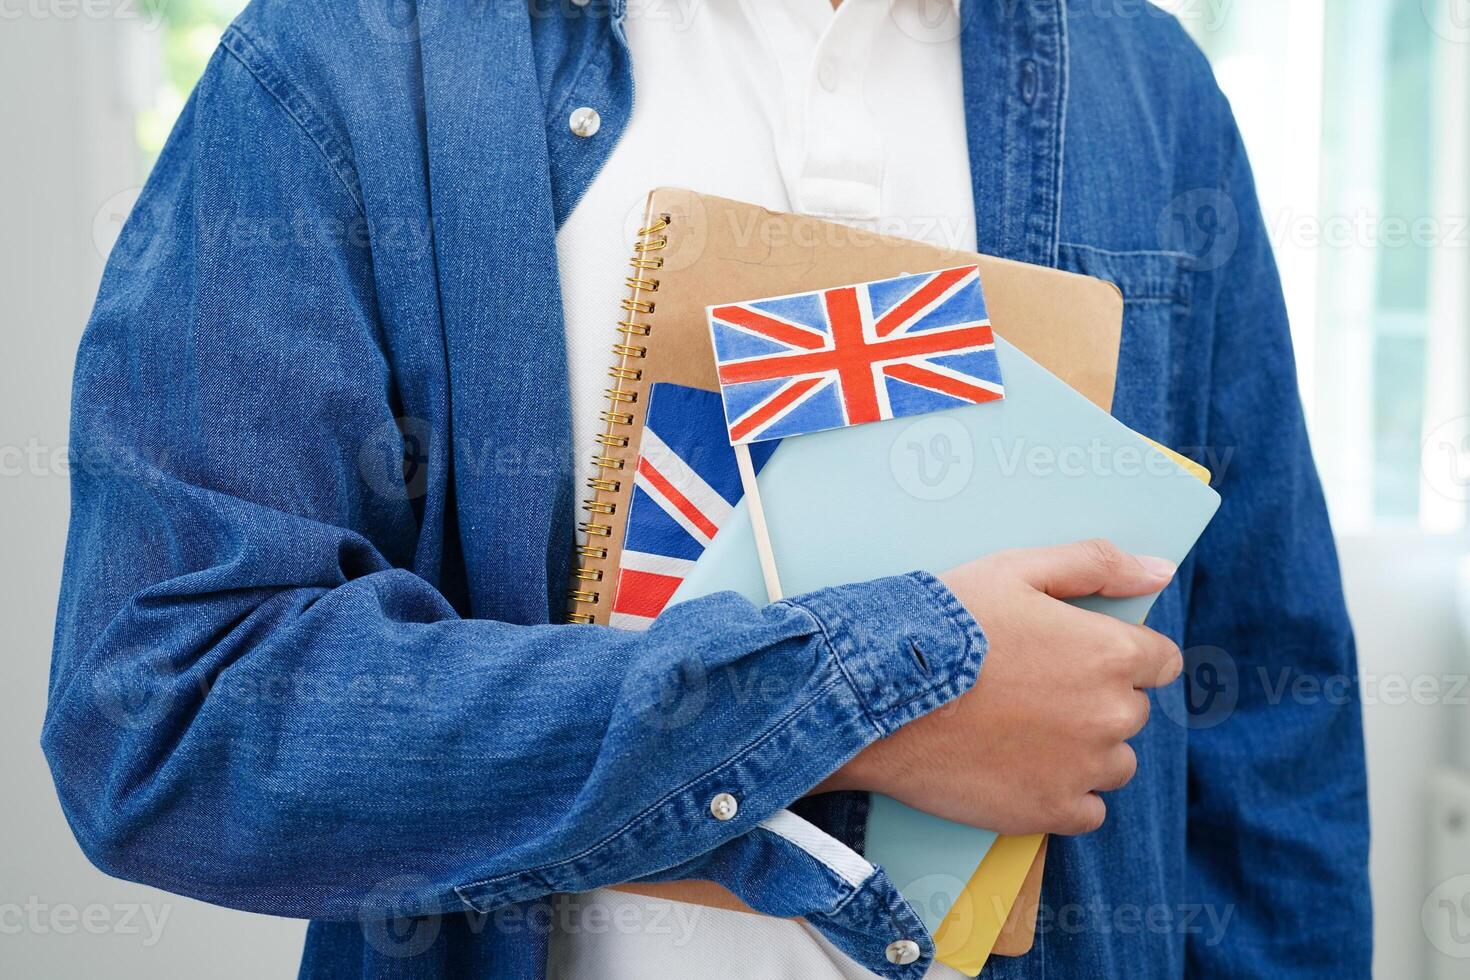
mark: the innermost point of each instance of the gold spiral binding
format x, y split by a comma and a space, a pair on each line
636, 307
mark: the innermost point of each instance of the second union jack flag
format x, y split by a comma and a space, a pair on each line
685, 484
854, 354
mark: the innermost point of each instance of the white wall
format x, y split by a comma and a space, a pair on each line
67, 149
1401, 594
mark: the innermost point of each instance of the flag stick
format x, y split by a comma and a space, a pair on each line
758, 522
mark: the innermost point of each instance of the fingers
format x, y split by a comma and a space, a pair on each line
1120, 768
1089, 812
1156, 660
1083, 817
1115, 714
1135, 714
1094, 567
1137, 655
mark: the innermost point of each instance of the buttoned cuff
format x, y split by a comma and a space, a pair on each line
788, 868
906, 644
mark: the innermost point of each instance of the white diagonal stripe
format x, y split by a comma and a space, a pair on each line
784, 321
848, 864
627, 621
928, 308
949, 372
671, 467
925, 357
828, 377
644, 561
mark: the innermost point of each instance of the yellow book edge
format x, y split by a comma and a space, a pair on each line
967, 935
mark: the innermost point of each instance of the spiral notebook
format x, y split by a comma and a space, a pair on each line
694, 250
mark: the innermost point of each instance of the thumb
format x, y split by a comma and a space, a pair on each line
1097, 567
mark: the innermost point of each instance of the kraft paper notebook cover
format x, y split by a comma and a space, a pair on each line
856, 503
698, 250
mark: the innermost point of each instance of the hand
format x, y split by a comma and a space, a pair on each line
1042, 732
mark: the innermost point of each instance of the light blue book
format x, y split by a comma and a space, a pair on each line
1043, 466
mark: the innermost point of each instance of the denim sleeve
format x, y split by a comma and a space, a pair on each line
1278, 820
257, 701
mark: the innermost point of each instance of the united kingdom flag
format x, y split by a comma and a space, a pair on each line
685, 484
853, 354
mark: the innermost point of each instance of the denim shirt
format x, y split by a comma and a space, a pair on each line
322, 522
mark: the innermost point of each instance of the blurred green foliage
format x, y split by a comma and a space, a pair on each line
187, 34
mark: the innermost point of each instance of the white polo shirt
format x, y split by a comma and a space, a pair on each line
855, 114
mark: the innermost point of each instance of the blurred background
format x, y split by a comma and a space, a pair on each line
1357, 117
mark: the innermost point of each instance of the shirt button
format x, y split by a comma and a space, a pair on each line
828, 75
585, 121
902, 952
724, 807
